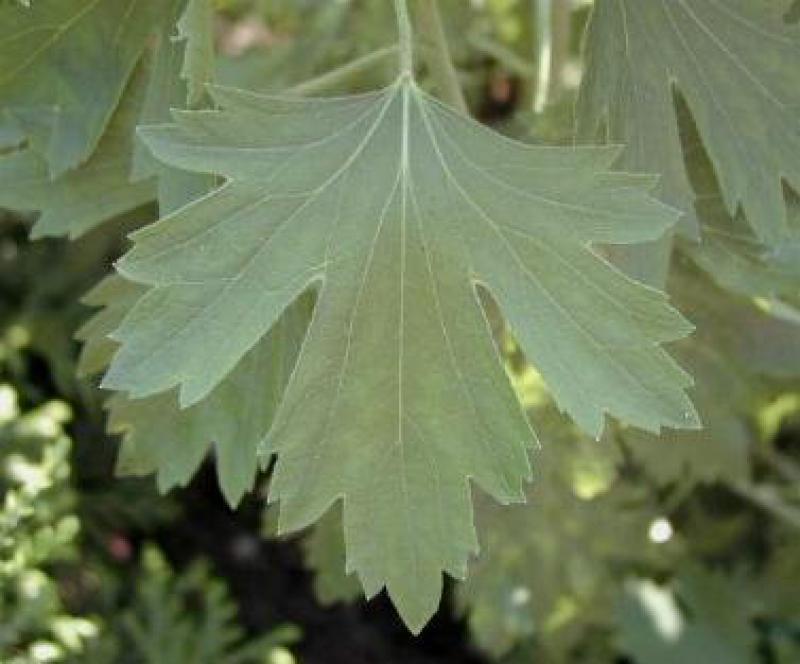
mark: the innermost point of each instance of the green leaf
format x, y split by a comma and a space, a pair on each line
166, 90
69, 61
325, 555
235, 417
705, 619
739, 262
116, 297
719, 451
548, 571
111, 181
161, 438
723, 391
737, 64
729, 251
195, 27
737, 348
81, 199
393, 208
749, 338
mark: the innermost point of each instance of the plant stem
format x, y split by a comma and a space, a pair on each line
562, 32
545, 46
768, 499
553, 22
406, 38
530, 53
332, 79
511, 60
781, 465
437, 54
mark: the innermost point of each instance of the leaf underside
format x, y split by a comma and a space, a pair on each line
737, 64
83, 198
53, 52
113, 173
161, 438
392, 208
729, 251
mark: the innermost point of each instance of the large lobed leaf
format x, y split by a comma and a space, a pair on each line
116, 174
64, 65
737, 350
85, 197
729, 251
394, 209
737, 64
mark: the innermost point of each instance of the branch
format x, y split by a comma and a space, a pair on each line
768, 499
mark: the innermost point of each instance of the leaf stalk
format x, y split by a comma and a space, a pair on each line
430, 26
337, 77
406, 38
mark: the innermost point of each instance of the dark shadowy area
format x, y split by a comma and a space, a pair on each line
793, 15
